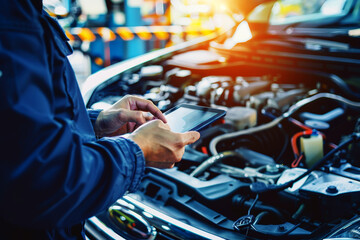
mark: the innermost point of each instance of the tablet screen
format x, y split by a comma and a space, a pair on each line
185, 117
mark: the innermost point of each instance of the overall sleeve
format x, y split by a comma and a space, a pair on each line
50, 174
93, 114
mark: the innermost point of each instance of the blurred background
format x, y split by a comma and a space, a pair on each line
104, 32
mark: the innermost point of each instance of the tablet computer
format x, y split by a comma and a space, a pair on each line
187, 117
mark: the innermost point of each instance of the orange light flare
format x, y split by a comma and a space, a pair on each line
206, 14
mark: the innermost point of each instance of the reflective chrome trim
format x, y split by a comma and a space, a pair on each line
168, 221
104, 229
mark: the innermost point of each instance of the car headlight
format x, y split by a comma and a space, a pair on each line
349, 231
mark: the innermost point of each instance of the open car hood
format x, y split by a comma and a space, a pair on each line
282, 164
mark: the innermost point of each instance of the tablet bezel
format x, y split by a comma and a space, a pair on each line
219, 113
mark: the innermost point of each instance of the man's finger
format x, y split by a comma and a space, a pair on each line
146, 105
190, 137
132, 116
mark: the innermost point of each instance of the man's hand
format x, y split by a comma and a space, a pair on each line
125, 116
162, 148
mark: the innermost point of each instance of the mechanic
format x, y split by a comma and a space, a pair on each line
55, 173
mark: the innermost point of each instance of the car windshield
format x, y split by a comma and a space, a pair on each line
293, 11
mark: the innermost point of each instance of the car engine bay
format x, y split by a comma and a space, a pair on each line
282, 164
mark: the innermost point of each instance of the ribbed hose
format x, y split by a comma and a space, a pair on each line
277, 120
212, 161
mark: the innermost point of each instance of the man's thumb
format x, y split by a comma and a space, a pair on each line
191, 137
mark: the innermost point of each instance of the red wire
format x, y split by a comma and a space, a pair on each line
204, 150
299, 124
296, 162
294, 141
308, 131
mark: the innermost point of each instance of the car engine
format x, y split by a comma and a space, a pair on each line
282, 164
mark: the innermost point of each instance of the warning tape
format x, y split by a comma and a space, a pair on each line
129, 33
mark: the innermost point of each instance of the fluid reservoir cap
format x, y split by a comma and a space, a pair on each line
206, 85
241, 117
183, 73
319, 125
179, 78
154, 72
